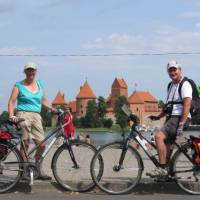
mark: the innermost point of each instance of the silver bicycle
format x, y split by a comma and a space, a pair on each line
70, 163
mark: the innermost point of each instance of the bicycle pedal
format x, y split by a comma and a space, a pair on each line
150, 175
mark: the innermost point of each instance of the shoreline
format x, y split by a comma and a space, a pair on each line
193, 128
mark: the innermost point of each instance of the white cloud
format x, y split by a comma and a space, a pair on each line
163, 39
191, 14
197, 25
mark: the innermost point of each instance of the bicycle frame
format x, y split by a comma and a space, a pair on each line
55, 134
142, 141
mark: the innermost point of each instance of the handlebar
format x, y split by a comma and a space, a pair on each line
132, 117
59, 112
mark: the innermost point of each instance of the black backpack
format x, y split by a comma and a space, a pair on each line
195, 105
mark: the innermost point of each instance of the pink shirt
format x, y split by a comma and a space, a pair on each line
69, 128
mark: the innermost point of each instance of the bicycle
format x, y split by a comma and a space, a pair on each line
122, 165
70, 163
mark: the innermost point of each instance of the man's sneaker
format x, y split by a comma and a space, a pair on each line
44, 177
157, 173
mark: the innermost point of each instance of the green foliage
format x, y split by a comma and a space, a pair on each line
91, 118
46, 116
196, 118
3, 116
161, 104
101, 107
95, 115
107, 123
120, 116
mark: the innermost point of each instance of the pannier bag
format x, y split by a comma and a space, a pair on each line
9, 130
196, 147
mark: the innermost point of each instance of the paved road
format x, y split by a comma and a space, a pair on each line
144, 191
147, 189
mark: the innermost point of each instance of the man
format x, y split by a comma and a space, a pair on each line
177, 112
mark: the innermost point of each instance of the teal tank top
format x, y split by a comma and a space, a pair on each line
27, 100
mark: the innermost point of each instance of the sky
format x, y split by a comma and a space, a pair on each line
98, 41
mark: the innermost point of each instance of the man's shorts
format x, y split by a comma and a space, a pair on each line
32, 126
170, 127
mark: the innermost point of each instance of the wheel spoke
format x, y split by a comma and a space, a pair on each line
187, 175
113, 179
66, 174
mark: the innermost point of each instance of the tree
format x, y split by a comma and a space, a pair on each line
107, 123
161, 104
91, 117
46, 116
101, 107
121, 117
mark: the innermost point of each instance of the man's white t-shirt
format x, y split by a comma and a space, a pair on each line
186, 91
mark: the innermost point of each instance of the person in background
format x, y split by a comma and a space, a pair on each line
30, 97
69, 127
88, 139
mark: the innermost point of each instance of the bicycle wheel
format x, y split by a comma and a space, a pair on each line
114, 181
10, 167
66, 173
186, 173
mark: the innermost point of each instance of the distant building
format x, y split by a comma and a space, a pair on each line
86, 94
119, 88
141, 103
58, 101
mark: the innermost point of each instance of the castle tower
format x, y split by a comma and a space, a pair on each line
58, 101
119, 88
86, 93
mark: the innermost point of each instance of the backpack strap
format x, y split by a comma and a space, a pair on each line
168, 86
180, 85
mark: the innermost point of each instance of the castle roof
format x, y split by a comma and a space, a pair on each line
119, 83
141, 97
59, 99
86, 92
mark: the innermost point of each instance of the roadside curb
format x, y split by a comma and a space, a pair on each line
146, 186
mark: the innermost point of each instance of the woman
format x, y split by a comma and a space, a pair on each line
29, 94
69, 128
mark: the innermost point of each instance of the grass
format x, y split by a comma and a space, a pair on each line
114, 128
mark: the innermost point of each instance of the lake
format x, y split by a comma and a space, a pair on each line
100, 138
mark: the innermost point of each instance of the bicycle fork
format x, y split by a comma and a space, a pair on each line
71, 153
119, 166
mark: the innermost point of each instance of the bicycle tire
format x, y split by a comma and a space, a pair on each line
10, 167
66, 175
110, 180
185, 172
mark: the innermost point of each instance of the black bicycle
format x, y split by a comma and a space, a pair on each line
122, 165
70, 163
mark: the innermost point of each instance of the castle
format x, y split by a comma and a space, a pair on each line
142, 103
